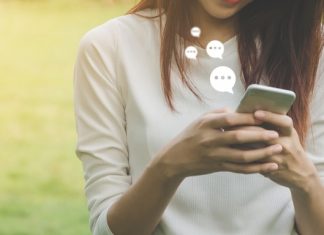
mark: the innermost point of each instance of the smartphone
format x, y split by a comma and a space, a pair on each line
260, 97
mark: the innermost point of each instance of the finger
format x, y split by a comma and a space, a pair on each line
249, 128
222, 110
244, 136
250, 168
224, 120
245, 156
279, 120
280, 160
216, 111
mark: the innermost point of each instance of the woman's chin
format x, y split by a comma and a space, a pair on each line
224, 14
221, 9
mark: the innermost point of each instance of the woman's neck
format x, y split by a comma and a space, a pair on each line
211, 27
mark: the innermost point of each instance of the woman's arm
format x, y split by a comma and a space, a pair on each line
100, 123
302, 170
139, 210
298, 173
200, 149
309, 207
309, 202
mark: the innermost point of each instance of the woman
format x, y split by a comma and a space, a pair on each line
155, 158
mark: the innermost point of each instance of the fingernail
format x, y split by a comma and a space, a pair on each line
259, 114
273, 167
273, 134
277, 148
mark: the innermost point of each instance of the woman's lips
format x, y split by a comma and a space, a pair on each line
232, 2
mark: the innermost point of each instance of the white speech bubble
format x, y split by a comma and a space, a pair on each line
223, 79
215, 49
195, 32
191, 52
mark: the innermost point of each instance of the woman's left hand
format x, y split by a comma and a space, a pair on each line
296, 170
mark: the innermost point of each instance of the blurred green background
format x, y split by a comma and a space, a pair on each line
41, 179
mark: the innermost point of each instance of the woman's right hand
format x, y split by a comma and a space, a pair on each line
203, 147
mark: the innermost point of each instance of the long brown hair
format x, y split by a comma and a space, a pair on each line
291, 38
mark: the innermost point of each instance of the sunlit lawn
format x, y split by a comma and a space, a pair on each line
41, 181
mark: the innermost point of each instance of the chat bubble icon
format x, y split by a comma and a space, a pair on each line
195, 32
215, 49
191, 52
223, 79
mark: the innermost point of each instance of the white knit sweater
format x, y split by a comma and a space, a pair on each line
123, 120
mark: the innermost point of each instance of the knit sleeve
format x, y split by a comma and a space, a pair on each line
315, 138
100, 124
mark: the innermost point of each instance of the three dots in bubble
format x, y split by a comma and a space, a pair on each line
215, 49
222, 78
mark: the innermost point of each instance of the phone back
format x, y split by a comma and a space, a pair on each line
259, 97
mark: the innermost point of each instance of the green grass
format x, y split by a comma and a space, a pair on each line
41, 180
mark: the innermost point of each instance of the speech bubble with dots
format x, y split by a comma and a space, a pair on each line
215, 49
195, 32
191, 52
223, 79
